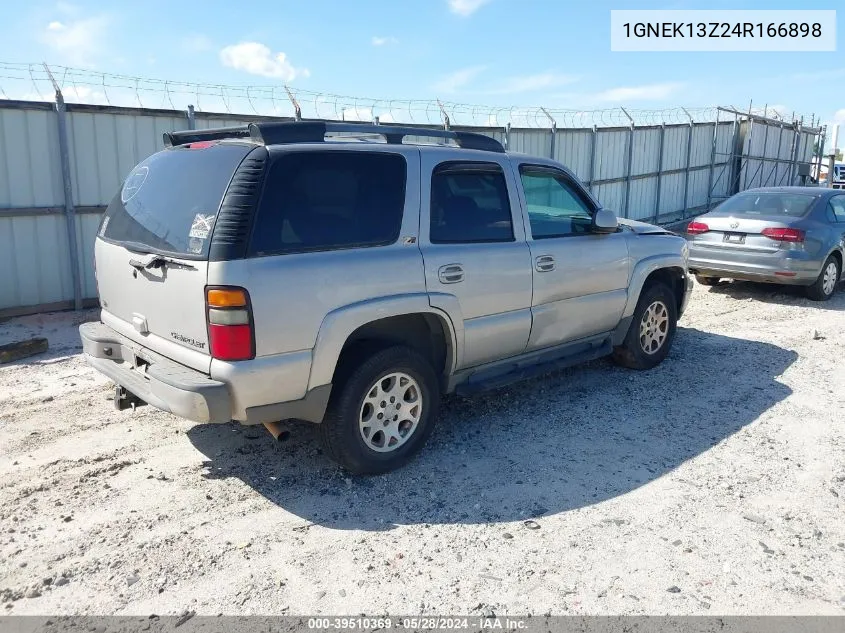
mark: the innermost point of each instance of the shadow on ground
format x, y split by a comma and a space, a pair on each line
570, 439
777, 294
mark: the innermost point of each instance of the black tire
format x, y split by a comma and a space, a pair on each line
707, 281
631, 353
817, 292
340, 430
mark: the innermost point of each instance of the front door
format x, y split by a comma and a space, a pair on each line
473, 245
580, 278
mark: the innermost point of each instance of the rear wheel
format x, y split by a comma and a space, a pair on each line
382, 410
825, 285
651, 331
707, 281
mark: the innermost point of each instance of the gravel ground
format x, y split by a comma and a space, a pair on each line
714, 484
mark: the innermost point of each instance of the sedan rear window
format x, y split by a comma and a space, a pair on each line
793, 205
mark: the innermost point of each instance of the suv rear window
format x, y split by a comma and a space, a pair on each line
169, 202
316, 201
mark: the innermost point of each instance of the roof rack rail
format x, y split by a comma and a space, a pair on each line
287, 132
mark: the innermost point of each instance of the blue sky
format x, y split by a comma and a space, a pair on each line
495, 52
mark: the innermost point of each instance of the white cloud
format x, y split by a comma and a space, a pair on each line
78, 41
466, 8
196, 43
71, 94
357, 114
532, 83
649, 92
839, 116
382, 41
458, 79
257, 59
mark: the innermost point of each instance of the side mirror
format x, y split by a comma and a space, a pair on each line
604, 221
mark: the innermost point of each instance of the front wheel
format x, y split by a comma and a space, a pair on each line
382, 410
824, 286
651, 331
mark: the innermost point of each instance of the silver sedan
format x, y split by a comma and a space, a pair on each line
782, 235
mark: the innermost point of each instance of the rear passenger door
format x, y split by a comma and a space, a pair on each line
580, 278
473, 245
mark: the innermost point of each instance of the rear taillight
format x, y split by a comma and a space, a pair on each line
784, 235
230, 330
697, 228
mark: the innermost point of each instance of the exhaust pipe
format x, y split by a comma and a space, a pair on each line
279, 431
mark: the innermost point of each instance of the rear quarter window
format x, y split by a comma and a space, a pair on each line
317, 201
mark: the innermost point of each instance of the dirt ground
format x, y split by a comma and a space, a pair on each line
714, 484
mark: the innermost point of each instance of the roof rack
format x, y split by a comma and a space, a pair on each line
287, 132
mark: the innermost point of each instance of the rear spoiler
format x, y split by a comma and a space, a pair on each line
288, 132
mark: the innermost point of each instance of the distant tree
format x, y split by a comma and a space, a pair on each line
827, 149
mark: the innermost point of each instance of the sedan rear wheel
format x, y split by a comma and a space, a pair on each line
825, 285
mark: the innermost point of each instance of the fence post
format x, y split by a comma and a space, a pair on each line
659, 172
593, 136
765, 148
793, 170
70, 211
712, 161
686, 169
776, 168
508, 136
192, 121
747, 156
297, 111
553, 131
628, 164
445, 115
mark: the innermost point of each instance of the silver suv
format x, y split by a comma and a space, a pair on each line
349, 274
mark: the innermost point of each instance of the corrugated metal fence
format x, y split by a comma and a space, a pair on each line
653, 173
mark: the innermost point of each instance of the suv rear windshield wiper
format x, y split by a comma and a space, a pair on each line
155, 260
159, 261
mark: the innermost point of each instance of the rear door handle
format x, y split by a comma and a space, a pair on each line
544, 263
450, 273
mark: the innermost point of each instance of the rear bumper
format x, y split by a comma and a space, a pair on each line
783, 267
156, 380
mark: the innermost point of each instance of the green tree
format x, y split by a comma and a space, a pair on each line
826, 151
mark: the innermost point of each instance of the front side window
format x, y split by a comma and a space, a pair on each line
469, 203
555, 207
317, 201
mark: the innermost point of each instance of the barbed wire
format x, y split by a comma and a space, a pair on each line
34, 82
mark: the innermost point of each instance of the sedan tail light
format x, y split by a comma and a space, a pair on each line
231, 334
784, 235
697, 228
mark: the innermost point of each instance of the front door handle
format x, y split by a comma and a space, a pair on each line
450, 273
544, 263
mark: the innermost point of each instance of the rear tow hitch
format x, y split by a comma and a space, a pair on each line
126, 399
